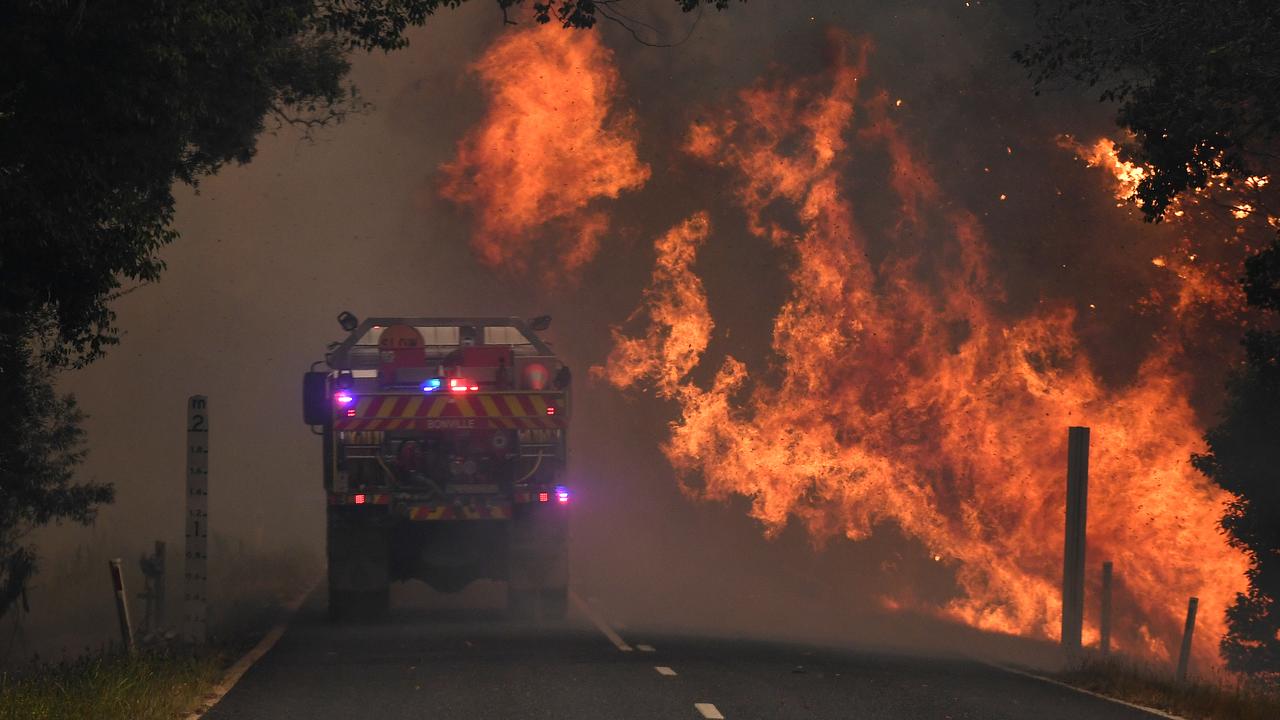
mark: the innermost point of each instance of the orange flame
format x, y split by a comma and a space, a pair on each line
904, 397
547, 149
1106, 154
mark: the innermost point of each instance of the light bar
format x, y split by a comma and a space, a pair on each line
432, 384
344, 397
462, 385
562, 494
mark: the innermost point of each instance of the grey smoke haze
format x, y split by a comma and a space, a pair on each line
272, 251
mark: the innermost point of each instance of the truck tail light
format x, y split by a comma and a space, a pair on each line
544, 496
358, 499
551, 409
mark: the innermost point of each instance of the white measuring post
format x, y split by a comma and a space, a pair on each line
195, 601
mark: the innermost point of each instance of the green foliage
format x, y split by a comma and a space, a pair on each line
1244, 458
103, 107
43, 443
1197, 83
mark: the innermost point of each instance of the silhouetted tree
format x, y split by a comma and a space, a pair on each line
103, 107
1244, 458
1196, 83
42, 445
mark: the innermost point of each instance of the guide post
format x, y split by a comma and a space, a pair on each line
195, 604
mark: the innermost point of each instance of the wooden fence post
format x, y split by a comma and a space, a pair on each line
1105, 643
1184, 657
1074, 546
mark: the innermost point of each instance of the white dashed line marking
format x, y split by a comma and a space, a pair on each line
664, 670
708, 711
645, 648
600, 624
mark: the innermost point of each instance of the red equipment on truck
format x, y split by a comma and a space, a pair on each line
444, 459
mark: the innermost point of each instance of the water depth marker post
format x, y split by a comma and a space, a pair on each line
195, 602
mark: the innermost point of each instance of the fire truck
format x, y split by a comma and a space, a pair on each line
444, 446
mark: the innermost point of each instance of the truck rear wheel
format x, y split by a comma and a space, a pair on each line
358, 604
554, 603
359, 566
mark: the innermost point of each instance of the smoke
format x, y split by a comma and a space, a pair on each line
982, 260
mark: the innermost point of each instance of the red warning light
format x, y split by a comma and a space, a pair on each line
351, 412
462, 385
551, 409
358, 499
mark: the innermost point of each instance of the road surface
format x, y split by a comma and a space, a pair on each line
436, 663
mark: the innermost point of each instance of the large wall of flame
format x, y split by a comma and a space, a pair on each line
902, 396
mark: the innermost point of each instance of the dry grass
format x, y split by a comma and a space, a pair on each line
150, 685
1202, 698
165, 678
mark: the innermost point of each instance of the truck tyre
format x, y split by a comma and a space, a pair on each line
521, 603
555, 603
358, 604
359, 567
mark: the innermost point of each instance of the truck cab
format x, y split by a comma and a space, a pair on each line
445, 451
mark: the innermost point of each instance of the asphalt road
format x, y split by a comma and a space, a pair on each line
426, 662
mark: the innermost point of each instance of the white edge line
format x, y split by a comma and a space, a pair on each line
645, 648
708, 711
600, 624
1059, 683
241, 666
664, 670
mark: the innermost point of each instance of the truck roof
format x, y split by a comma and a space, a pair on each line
440, 332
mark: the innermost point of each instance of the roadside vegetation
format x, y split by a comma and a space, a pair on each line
1204, 698
167, 677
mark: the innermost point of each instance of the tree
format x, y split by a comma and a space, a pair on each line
1244, 458
103, 107
43, 444
1197, 85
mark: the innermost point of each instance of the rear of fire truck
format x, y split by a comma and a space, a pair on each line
444, 444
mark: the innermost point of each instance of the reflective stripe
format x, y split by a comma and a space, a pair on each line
464, 406
437, 406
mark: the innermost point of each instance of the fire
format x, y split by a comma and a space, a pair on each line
900, 395
546, 152
1104, 153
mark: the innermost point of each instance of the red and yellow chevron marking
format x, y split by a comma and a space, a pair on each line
455, 411
464, 512
350, 499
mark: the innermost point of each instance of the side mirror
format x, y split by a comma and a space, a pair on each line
348, 321
540, 323
315, 398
